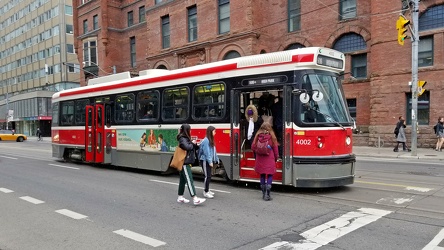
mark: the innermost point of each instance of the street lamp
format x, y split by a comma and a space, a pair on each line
85, 63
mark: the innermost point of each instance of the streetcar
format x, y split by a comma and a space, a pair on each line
104, 122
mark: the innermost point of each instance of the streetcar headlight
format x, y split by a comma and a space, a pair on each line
348, 141
320, 144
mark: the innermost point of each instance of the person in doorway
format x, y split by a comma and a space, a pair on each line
186, 176
439, 133
400, 136
207, 158
254, 122
266, 163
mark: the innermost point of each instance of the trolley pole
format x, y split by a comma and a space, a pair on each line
415, 41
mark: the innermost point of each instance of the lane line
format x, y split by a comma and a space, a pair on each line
5, 190
12, 158
332, 230
420, 189
71, 214
61, 166
433, 245
140, 238
177, 184
32, 200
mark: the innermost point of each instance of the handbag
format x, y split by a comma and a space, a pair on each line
178, 158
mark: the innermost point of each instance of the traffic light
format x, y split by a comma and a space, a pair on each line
401, 26
421, 87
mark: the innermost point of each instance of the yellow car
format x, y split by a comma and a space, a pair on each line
8, 135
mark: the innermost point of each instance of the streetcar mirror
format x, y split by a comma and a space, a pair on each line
317, 96
304, 97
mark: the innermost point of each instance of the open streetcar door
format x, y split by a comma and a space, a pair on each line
235, 147
287, 138
95, 131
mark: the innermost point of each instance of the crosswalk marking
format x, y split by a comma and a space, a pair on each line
71, 214
433, 245
140, 238
32, 200
330, 231
5, 190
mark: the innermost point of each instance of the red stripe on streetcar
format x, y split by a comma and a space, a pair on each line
181, 75
303, 58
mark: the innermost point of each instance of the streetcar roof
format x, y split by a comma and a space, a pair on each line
247, 65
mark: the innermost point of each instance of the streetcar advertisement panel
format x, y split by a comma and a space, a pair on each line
147, 139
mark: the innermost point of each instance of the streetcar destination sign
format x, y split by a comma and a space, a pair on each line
330, 62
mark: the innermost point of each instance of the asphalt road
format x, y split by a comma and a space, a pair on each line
48, 204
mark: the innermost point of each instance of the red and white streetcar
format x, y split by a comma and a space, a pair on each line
104, 122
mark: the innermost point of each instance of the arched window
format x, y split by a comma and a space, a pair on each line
231, 54
161, 67
349, 43
432, 18
352, 42
294, 46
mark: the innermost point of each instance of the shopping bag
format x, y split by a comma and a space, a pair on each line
178, 158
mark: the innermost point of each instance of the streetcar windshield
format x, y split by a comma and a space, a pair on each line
322, 100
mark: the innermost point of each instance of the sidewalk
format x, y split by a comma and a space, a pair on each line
386, 152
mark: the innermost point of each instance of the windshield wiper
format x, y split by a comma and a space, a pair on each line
330, 118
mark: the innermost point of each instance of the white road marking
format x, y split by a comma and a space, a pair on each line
433, 245
391, 200
12, 158
419, 189
330, 231
177, 184
5, 190
32, 200
140, 238
61, 166
71, 214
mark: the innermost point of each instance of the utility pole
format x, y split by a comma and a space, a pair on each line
415, 42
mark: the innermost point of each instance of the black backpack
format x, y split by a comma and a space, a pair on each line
396, 131
435, 128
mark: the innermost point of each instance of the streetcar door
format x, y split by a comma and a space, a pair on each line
95, 131
235, 147
287, 138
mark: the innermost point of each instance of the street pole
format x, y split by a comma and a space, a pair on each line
7, 106
415, 41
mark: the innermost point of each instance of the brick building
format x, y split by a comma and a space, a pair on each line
124, 35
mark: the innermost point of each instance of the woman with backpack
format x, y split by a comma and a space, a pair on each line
265, 145
439, 131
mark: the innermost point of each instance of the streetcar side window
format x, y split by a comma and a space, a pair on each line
67, 115
124, 108
209, 101
147, 106
80, 107
175, 104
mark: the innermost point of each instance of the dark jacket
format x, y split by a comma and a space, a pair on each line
186, 144
266, 164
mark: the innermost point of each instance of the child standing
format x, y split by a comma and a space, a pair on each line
208, 157
266, 163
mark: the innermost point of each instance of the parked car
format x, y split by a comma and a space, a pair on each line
8, 135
